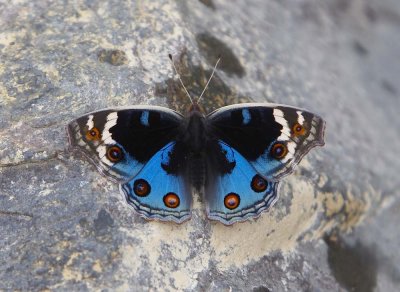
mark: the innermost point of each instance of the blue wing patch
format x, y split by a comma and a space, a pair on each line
156, 194
240, 194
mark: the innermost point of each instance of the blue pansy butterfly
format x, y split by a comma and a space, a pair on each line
235, 155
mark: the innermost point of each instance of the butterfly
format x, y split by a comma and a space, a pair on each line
236, 155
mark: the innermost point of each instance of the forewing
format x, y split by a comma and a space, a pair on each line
121, 141
273, 138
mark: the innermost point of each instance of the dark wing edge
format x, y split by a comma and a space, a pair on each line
75, 139
316, 138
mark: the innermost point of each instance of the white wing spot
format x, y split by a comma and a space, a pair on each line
90, 123
291, 146
112, 119
278, 115
102, 149
300, 117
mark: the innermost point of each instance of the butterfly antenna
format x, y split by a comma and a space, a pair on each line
209, 79
179, 77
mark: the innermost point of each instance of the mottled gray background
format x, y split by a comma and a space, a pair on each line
65, 227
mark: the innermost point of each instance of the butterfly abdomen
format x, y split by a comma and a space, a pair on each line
197, 171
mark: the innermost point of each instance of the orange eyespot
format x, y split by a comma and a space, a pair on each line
279, 150
232, 201
114, 154
298, 130
141, 188
258, 184
171, 200
93, 134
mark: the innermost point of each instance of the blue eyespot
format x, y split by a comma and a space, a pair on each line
141, 187
258, 184
171, 200
232, 201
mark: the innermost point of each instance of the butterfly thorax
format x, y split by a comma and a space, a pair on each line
195, 132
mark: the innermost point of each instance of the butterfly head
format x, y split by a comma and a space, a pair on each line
194, 107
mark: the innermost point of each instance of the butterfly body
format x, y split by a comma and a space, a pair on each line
235, 156
195, 138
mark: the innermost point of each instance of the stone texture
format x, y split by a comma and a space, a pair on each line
64, 227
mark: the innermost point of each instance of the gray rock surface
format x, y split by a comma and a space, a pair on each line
65, 227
